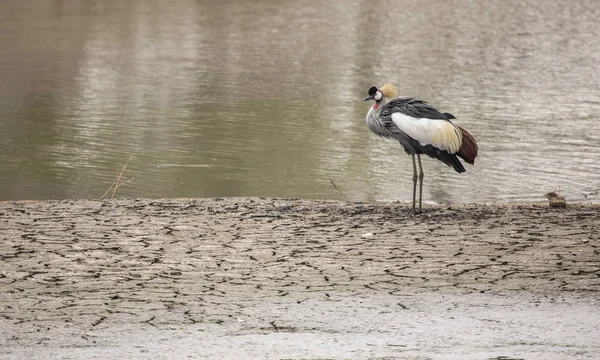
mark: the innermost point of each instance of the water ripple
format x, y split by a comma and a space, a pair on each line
265, 100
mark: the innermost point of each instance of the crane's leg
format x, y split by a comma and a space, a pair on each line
421, 176
414, 183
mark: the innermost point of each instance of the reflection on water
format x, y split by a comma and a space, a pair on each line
263, 98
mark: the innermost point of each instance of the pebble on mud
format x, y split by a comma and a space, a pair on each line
556, 200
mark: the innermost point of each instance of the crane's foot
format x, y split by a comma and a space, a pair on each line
416, 211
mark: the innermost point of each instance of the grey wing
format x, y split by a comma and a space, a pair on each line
411, 146
415, 108
418, 109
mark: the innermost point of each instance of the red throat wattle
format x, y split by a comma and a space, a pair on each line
375, 106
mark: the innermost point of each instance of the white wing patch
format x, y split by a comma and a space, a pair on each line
441, 134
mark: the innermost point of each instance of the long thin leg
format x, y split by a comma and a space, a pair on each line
414, 183
421, 176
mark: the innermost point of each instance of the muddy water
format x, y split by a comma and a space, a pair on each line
234, 98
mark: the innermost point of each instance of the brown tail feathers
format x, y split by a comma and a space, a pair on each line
468, 149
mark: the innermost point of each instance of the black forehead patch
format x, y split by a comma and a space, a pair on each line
372, 90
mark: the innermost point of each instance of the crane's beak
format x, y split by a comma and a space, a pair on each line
370, 97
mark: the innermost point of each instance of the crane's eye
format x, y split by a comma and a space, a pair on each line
378, 96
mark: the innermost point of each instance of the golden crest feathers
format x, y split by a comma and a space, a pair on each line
389, 90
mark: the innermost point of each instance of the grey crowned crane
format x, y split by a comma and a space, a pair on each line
421, 129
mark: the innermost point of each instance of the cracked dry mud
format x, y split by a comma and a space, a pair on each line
257, 278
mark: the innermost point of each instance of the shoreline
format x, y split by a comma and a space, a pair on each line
578, 203
291, 278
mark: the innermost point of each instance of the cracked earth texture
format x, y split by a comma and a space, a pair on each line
250, 278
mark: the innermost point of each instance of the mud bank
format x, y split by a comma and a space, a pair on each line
294, 279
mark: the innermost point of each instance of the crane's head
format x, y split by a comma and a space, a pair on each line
374, 94
387, 91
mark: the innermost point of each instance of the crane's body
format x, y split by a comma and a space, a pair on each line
421, 129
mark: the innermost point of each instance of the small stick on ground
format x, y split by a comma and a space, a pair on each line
335, 186
117, 183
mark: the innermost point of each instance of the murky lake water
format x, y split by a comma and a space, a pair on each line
264, 98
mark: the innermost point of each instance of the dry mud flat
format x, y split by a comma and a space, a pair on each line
297, 279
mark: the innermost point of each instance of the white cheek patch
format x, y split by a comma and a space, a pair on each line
378, 96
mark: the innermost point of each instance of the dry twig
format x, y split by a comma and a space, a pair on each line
335, 186
117, 183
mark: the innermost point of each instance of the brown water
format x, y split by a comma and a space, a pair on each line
264, 98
